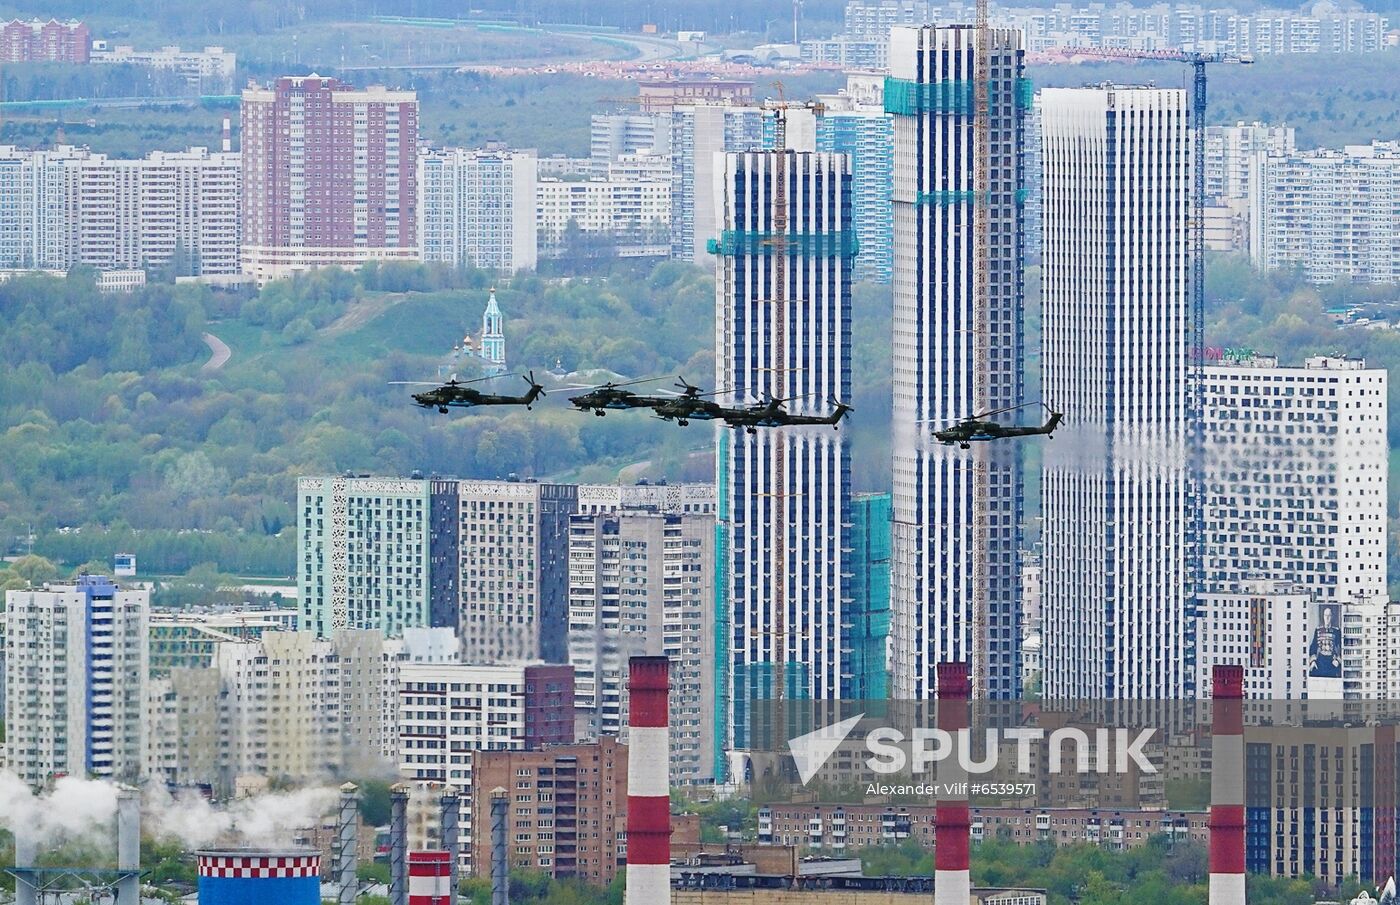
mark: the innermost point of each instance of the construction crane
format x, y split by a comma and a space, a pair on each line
1198, 61
779, 367
981, 312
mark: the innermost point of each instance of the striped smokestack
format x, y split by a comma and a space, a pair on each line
952, 830
429, 878
1227, 787
648, 783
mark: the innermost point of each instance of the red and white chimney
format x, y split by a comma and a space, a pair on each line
429, 878
952, 828
1227, 786
648, 782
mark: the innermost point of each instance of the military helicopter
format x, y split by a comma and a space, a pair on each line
976, 429
772, 414
689, 405
458, 394
611, 395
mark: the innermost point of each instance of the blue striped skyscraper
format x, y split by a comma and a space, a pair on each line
957, 513
783, 319
1117, 327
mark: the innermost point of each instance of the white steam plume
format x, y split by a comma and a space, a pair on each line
75, 809
265, 821
86, 809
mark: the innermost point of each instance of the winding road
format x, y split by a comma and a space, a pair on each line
219, 354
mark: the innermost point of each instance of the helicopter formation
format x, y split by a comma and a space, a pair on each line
693, 404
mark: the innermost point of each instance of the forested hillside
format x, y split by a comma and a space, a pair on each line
109, 421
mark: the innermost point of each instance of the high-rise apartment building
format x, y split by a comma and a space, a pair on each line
632, 211
297, 706
1264, 625
865, 134
875, 18
614, 135
954, 508
1234, 152
75, 680
699, 135
488, 559
329, 176
783, 315
1332, 213
1117, 333
566, 812
1234, 161
478, 207
450, 715
207, 71
67, 207
281, 703
37, 41
513, 554
1296, 473
363, 551
641, 583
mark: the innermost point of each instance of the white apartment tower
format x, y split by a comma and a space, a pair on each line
700, 134
1296, 472
76, 658
784, 493
1117, 310
942, 523
641, 583
477, 207
67, 207
1330, 212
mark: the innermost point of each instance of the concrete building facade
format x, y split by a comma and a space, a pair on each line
478, 208
946, 518
329, 176
784, 493
1117, 334
1296, 469
641, 583
1331, 213
67, 207
363, 552
75, 680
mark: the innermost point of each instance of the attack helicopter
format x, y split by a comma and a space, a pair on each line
772, 414
976, 429
459, 394
611, 395
689, 405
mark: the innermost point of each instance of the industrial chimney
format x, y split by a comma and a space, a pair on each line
26, 853
1227, 886
648, 783
398, 845
500, 863
429, 874
952, 829
347, 845
450, 813
129, 846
